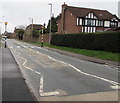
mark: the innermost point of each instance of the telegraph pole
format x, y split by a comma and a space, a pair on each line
50, 23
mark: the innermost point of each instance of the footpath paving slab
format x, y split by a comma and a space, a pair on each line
107, 97
14, 87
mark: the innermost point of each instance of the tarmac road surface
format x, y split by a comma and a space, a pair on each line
51, 74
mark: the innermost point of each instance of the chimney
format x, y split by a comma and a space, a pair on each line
64, 6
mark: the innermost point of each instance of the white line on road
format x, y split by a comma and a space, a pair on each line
50, 93
101, 78
115, 87
41, 85
41, 89
25, 61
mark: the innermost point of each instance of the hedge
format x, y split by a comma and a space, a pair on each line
106, 41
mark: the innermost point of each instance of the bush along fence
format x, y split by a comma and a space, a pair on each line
106, 41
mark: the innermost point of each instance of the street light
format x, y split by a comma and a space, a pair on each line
32, 27
50, 23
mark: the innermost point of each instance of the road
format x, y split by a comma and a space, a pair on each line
49, 73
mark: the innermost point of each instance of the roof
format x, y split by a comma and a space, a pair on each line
82, 12
35, 26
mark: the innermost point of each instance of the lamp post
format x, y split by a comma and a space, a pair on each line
50, 23
32, 27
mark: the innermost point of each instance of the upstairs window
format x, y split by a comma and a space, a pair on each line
79, 21
100, 23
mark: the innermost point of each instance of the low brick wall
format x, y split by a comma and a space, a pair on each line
28, 38
45, 38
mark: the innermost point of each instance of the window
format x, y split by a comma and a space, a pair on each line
77, 21
89, 22
107, 24
87, 29
100, 23
113, 24
80, 21
94, 29
96, 22
82, 29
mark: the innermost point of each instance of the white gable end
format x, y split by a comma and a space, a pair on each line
91, 15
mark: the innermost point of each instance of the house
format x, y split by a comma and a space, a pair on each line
32, 27
86, 20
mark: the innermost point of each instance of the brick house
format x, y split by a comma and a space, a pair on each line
31, 27
77, 20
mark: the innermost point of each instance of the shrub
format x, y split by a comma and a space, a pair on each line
106, 41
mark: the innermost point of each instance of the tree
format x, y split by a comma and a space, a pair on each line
20, 30
21, 27
35, 33
20, 33
53, 25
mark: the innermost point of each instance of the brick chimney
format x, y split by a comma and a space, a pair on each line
64, 7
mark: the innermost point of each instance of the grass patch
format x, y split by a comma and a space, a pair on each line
91, 53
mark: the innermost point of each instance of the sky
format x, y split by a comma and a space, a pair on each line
20, 12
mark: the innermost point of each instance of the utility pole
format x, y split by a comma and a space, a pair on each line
31, 28
50, 23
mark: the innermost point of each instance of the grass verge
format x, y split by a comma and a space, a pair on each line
91, 53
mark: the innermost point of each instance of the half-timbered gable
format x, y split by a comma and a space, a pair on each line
85, 20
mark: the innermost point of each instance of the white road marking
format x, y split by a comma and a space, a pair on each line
25, 61
50, 93
11, 47
41, 89
32, 47
18, 46
56, 60
37, 72
101, 78
115, 87
41, 85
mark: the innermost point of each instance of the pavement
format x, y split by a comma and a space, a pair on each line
101, 96
14, 87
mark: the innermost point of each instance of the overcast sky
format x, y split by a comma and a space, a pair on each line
18, 12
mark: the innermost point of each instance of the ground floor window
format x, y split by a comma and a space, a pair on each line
86, 29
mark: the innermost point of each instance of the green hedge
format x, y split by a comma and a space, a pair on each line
106, 41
